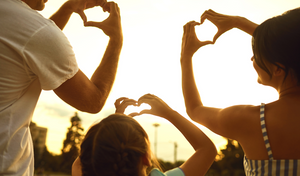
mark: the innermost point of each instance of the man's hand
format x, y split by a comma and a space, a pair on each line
78, 6
112, 25
62, 16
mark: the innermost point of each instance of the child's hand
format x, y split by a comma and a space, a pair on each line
158, 106
122, 103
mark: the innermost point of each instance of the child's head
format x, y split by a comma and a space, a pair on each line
277, 41
116, 146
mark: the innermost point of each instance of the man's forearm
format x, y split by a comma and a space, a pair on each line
62, 16
104, 75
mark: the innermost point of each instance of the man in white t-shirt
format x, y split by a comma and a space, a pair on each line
35, 55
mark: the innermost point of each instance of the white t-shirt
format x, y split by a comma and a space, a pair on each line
34, 55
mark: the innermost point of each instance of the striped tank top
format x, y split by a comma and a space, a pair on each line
270, 167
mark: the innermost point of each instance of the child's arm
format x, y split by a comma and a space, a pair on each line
205, 150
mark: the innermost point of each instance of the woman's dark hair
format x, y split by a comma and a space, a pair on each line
277, 41
114, 147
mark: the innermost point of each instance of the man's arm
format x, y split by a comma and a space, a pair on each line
90, 95
63, 14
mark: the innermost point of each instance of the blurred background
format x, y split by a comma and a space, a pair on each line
150, 63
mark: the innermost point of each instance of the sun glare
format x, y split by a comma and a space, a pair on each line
206, 31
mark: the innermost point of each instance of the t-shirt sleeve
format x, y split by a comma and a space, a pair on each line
156, 172
50, 57
173, 172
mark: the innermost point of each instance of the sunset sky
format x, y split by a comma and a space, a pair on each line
150, 63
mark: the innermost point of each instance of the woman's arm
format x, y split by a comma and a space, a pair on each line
190, 44
226, 22
229, 122
205, 151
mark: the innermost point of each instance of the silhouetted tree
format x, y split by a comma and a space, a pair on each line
71, 144
231, 162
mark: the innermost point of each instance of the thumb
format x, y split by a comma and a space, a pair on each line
92, 23
134, 114
207, 42
145, 111
218, 34
83, 16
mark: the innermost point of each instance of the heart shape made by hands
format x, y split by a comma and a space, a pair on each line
136, 109
206, 31
96, 14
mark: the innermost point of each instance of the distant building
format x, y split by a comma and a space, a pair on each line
39, 135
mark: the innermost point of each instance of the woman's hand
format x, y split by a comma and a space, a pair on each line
223, 22
190, 42
226, 22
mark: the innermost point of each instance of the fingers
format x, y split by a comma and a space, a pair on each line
208, 14
101, 2
190, 42
92, 23
190, 24
211, 18
83, 16
122, 103
145, 111
115, 8
128, 102
218, 34
106, 7
111, 7
150, 100
90, 4
133, 114
146, 99
112, 25
94, 3
189, 31
203, 16
190, 27
207, 42
119, 100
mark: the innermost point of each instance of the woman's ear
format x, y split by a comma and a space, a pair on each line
278, 70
